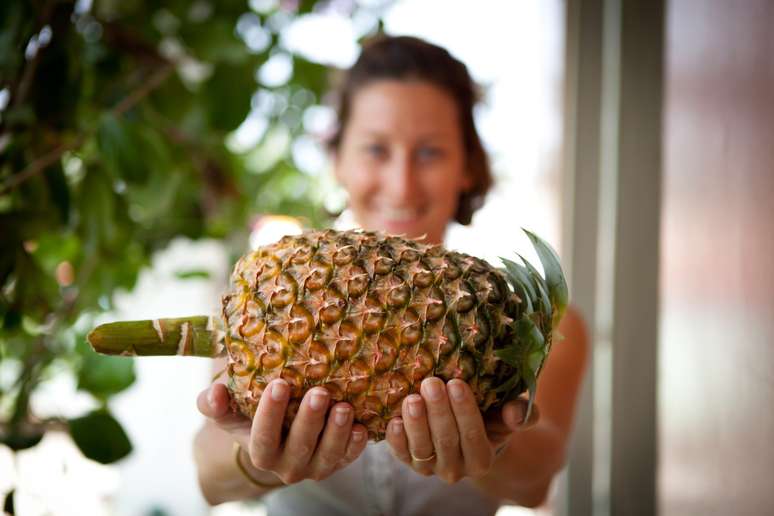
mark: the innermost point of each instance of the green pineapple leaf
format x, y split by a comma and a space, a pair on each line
531, 381
526, 353
511, 354
557, 284
509, 385
519, 279
541, 288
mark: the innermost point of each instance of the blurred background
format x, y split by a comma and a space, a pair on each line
145, 145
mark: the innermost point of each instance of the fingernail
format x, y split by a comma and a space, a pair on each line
415, 407
358, 436
397, 426
455, 390
432, 389
279, 390
341, 416
517, 418
319, 399
211, 397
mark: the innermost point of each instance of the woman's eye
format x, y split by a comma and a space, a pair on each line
428, 153
376, 150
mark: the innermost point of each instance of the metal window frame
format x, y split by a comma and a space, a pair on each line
611, 199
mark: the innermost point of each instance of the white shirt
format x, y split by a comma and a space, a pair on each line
378, 484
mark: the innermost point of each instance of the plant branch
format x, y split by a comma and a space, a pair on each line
51, 157
23, 86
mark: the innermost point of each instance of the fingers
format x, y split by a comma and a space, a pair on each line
476, 449
510, 418
417, 430
355, 446
303, 436
443, 430
213, 402
396, 438
333, 445
515, 412
266, 431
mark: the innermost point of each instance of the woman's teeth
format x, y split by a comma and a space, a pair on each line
401, 214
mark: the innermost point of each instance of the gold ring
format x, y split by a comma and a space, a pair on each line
417, 459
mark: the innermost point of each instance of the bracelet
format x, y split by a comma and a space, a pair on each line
243, 470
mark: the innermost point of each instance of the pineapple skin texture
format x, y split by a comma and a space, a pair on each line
368, 317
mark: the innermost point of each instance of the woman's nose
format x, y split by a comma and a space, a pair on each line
400, 179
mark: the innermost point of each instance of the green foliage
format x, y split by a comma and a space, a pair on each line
100, 437
102, 375
113, 142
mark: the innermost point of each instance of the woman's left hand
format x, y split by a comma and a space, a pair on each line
443, 432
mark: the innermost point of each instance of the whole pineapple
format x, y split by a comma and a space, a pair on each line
367, 316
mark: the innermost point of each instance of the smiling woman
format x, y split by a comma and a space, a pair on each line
408, 154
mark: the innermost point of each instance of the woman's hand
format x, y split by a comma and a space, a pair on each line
442, 431
313, 448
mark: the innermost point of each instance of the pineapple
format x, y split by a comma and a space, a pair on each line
367, 316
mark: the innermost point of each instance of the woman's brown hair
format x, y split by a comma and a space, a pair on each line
409, 58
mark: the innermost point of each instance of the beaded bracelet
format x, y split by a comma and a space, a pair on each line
237, 450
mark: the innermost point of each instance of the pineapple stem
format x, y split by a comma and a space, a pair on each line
197, 336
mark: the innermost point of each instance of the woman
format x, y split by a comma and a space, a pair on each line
408, 154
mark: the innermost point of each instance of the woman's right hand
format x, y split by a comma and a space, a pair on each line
314, 448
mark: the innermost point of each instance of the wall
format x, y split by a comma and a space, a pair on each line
716, 359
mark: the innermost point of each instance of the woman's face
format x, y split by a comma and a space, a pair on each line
402, 158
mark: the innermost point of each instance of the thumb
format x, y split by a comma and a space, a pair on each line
515, 415
213, 401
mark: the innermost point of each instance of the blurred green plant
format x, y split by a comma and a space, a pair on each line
114, 118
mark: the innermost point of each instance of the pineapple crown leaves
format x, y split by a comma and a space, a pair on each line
545, 301
555, 280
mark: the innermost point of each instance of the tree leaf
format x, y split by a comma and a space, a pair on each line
118, 145
102, 375
227, 96
215, 41
8, 505
100, 437
22, 440
58, 190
